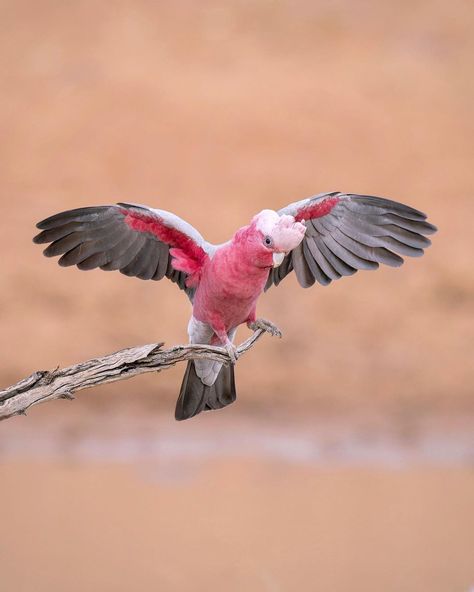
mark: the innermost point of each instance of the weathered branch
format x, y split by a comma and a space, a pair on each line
46, 385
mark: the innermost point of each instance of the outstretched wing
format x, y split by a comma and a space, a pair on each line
345, 233
138, 241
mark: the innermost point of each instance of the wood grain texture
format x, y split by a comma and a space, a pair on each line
62, 383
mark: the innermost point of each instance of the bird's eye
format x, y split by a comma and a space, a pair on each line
267, 241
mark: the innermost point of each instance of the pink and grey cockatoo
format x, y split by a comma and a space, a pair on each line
321, 238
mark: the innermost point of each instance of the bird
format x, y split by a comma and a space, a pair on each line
321, 238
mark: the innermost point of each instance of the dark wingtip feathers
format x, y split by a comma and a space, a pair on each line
78, 215
39, 239
383, 202
429, 228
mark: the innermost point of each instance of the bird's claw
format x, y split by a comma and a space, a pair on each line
265, 325
232, 352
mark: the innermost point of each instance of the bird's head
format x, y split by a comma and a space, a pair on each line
270, 237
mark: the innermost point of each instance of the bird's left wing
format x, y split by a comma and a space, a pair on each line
346, 232
136, 240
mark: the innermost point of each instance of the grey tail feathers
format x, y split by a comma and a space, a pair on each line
195, 396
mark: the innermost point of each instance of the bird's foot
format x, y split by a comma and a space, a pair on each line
265, 326
231, 349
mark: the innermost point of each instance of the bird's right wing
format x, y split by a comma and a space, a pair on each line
136, 240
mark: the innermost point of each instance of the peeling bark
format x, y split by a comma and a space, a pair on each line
62, 383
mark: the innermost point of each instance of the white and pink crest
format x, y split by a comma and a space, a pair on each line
284, 231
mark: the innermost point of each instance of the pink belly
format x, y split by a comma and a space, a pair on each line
218, 301
230, 311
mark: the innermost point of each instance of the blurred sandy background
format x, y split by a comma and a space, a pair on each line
215, 111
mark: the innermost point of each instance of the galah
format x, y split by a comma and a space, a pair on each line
321, 238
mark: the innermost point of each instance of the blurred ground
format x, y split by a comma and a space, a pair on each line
216, 111
235, 503
212, 536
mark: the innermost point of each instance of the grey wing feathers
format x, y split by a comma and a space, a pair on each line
98, 237
359, 232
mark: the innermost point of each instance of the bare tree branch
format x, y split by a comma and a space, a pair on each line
46, 385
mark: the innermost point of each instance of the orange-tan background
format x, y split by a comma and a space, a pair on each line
216, 110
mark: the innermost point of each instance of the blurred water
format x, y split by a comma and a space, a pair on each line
331, 441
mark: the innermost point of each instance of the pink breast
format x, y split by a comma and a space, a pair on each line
228, 291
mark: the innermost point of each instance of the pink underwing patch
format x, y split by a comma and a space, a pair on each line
318, 209
186, 255
182, 262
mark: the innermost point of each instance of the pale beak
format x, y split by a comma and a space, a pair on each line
278, 259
